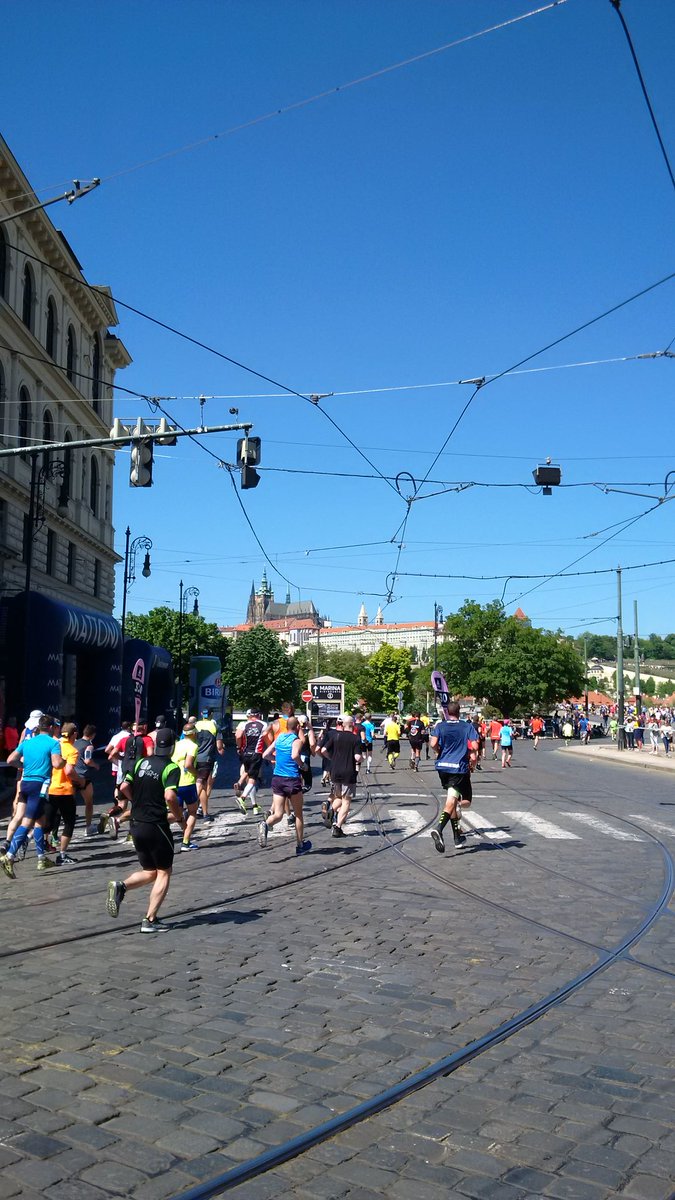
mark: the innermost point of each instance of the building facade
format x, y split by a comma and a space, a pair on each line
58, 361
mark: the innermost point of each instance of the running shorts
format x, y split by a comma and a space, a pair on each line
154, 846
187, 794
31, 794
392, 747
286, 785
252, 765
204, 771
415, 743
459, 784
343, 791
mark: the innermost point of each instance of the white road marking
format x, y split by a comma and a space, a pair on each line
399, 795
546, 829
409, 818
621, 835
657, 825
475, 821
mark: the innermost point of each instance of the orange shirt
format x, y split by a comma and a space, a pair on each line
495, 729
537, 725
61, 784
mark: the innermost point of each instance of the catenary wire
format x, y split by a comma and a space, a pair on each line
616, 5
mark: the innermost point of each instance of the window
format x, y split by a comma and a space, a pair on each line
28, 298
3, 401
83, 488
50, 340
71, 355
50, 565
96, 374
4, 264
66, 482
97, 577
93, 486
27, 536
47, 436
70, 575
25, 423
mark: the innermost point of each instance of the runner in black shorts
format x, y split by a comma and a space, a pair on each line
148, 789
456, 744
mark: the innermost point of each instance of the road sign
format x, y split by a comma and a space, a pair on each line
330, 692
306, 696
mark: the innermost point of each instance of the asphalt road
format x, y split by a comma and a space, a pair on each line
520, 989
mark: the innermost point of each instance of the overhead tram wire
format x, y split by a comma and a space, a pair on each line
616, 5
661, 562
209, 349
332, 91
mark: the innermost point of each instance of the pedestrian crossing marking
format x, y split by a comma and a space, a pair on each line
409, 818
621, 835
478, 823
545, 828
657, 825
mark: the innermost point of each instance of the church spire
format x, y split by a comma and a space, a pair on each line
363, 616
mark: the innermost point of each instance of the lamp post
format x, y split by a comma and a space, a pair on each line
39, 476
183, 597
438, 616
130, 551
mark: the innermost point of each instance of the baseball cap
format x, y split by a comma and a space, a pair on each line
160, 721
205, 712
165, 741
32, 722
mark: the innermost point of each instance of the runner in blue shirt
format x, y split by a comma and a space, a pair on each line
456, 746
37, 755
506, 742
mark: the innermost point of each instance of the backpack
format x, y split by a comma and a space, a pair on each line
133, 750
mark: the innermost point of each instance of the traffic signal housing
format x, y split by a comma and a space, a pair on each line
248, 455
140, 474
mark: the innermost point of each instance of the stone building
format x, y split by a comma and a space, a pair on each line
58, 361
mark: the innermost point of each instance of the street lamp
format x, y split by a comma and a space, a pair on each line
438, 616
183, 597
130, 551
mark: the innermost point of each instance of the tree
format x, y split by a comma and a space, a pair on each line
390, 672
161, 627
350, 665
507, 662
260, 671
649, 686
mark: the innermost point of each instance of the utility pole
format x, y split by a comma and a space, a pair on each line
438, 616
586, 675
318, 657
139, 543
621, 712
638, 688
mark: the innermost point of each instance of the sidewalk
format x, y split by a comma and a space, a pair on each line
607, 751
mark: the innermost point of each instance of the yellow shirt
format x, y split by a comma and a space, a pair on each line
182, 750
392, 732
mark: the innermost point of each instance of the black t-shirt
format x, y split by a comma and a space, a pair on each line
344, 747
415, 730
149, 779
251, 733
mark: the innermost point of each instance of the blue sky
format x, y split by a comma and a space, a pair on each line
437, 223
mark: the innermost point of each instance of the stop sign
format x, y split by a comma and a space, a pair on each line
307, 695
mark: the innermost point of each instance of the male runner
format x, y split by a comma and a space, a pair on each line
415, 734
85, 769
369, 733
345, 751
495, 731
392, 740
209, 744
38, 755
147, 790
250, 743
185, 755
536, 729
456, 748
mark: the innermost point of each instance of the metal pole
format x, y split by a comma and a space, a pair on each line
179, 686
123, 439
125, 584
318, 644
621, 713
28, 551
638, 688
435, 636
586, 675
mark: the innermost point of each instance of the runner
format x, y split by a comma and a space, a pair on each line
210, 744
126, 752
147, 790
286, 785
536, 729
61, 795
506, 743
415, 733
185, 756
85, 769
392, 740
346, 751
495, 732
38, 755
250, 742
369, 733
456, 747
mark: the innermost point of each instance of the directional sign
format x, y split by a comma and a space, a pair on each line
327, 691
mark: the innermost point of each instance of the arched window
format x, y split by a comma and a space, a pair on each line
47, 435
25, 421
96, 391
28, 297
4, 264
66, 483
93, 485
50, 340
71, 355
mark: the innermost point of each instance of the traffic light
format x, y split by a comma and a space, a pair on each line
248, 455
141, 464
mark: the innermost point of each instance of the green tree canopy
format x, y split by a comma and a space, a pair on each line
260, 671
389, 671
161, 627
350, 665
506, 662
